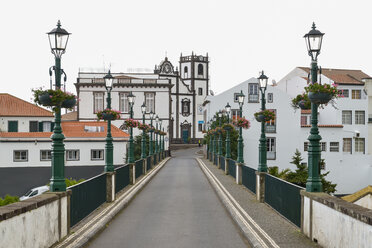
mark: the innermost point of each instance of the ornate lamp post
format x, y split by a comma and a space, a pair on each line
214, 139
210, 139
160, 136
228, 150
262, 157
58, 39
109, 166
314, 43
240, 158
143, 141
151, 133
131, 99
220, 134
156, 135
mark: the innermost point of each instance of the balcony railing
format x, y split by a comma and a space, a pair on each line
270, 128
124, 81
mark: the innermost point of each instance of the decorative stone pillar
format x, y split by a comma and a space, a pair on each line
132, 173
144, 166
260, 186
219, 161
110, 186
239, 173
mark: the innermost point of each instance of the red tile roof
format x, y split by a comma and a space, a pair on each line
342, 76
72, 130
14, 106
337, 126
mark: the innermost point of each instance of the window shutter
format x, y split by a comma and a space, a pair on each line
40, 126
12, 126
52, 126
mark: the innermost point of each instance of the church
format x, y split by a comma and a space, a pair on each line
175, 95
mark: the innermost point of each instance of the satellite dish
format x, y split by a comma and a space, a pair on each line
211, 92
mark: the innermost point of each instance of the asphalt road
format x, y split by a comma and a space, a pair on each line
17, 181
178, 208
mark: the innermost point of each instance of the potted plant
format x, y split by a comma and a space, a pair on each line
131, 123
321, 93
264, 115
108, 114
242, 122
227, 126
301, 101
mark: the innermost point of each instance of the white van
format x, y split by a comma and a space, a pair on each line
34, 192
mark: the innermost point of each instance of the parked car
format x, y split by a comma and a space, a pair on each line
34, 192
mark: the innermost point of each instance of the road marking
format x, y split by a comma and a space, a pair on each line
229, 199
125, 197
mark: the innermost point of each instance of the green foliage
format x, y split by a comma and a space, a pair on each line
70, 182
323, 88
8, 199
300, 175
268, 114
138, 146
301, 97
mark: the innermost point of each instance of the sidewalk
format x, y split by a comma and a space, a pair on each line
281, 231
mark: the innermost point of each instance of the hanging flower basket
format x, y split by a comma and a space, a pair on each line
44, 99
54, 98
219, 130
163, 133
108, 114
131, 123
227, 126
151, 129
211, 132
321, 93
301, 101
143, 127
69, 103
157, 131
242, 122
264, 115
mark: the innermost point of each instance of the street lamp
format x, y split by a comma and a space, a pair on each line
143, 141
109, 166
131, 99
228, 150
156, 134
262, 157
240, 158
314, 43
214, 137
58, 38
220, 134
151, 131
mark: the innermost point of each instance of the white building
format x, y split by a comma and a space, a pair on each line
176, 97
344, 129
25, 137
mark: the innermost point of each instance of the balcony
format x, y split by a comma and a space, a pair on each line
270, 128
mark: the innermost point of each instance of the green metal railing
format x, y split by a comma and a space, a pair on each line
155, 157
249, 178
284, 197
86, 197
121, 177
215, 159
139, 168
222, 159
148, 164
232, 168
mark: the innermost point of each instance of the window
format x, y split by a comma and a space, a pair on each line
360, 117
200, 127
12, 126
150, 102
344, 93
123, 103
270, 146
45, 155
236, 97
234, 114
323, 146
185, 107
73, 155
200, 91
334, 146
356, 94
306, 146
270, 126
305, 120
359, 145
347, 145
200, 70
252, 92
346, 117
96, 154
47, 126
185, 72
98, 101
20, 156
270, 97
34, 126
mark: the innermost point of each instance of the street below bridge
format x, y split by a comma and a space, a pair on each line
178, 208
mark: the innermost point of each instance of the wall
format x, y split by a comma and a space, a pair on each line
23, 122
332, 222
35, 222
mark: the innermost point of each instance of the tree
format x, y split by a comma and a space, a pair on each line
300, 175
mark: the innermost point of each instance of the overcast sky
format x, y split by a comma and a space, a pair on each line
241, 37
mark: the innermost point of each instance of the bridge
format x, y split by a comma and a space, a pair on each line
192, 199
